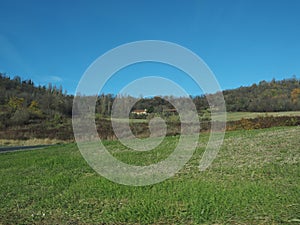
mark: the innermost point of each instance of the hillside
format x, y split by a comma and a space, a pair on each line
25, 105
283, 95
22, 103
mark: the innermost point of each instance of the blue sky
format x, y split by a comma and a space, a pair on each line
241, 41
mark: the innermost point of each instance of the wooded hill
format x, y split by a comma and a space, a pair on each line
22, 102
274, 96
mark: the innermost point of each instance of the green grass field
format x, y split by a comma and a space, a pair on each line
233, 116
254, 180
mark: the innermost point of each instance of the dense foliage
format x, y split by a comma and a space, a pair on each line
274, 96
21, 102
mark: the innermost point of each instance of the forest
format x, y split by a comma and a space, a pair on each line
26, 105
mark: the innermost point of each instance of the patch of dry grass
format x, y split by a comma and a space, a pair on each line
31, 142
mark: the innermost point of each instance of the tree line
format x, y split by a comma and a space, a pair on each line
22, 102
273, 96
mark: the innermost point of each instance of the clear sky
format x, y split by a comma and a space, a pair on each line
242, 41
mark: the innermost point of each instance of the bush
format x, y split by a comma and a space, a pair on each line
263, 122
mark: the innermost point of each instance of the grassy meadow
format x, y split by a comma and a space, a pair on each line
234, 116
253, 180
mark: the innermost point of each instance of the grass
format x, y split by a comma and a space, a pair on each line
234, 116
30, 142
253, 180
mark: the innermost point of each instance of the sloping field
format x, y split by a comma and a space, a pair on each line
233, 116
254, 180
